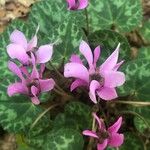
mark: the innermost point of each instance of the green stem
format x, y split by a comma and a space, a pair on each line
136, 114
90, 144
87, 21
134, 103
56, 70
42, 114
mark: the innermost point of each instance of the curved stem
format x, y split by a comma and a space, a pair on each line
56, 70
136, 114
87, 21
42, 114
90, 144
134, 103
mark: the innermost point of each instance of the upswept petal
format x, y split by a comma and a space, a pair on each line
110, 62
34, 73
76, 59
103, 145
97, 52
15, 69
118, 65
97, 119
71, 4
76, 70
116, 126
83, 4
94, 85
107, 93
19, 38
42, 68
116, 140
77, 83
46, 85
114, 79
87, 53
24, 71
44, 53
17, 88
16, 51
90, 133
32, 43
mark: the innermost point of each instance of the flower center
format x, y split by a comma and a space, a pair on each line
34, 82
97, 77
102, 134
76, 5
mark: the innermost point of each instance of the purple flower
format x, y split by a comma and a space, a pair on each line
31, 84
104, 136
77, 4
21, 49
102, 80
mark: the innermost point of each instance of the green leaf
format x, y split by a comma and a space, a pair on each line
137, 77
18, 113
77, 115
58, 24
124, 15
131, 141
64, 139
108, 40
141, 126
145, 31
60, 139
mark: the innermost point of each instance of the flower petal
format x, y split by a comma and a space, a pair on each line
87, 53
116, 140
16, 51
76, 59
76, 70
32, 43
77, 83
83, 4
34, 90
103, 145
97, 119
118, 65
44, 53
110, 62
46, 85
90, 133
116, 126
35, 100
114, 79
17, 88
107, 93
94, 85
19, 38
15, 69
71, 4
42, 68
97, 52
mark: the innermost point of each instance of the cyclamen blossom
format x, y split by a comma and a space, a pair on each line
102, 80
104, 136
21, 49
31, 84
77, 4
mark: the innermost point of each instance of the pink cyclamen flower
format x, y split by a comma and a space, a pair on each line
19, 48
102, 80
31, 84
77, 4
106, 137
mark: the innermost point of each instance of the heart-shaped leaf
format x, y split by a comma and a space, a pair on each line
123, 15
